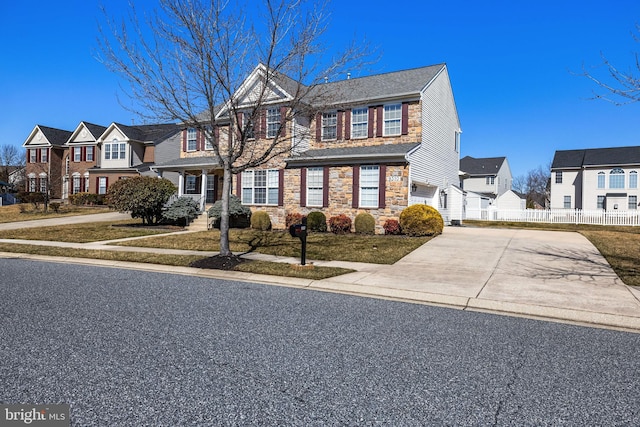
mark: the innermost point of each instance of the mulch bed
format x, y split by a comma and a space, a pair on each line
219, 262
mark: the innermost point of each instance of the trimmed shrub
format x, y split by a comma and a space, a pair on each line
260, 221
83, 199
340, 224
293, 218
421, 220
55, 206
182, 211
365, 223
239, 215
392, 226
317, 221
143, 196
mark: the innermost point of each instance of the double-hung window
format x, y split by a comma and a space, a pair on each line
567, 202
44, 155
43, 184
359, 122
89, 154
490, 180
76, 184
601, 177
616, 178
191, 139
392, 120
329, 125
600, 204
33, 156
633, 179
273, 122
123, 150
107, 152
102, 185
77, 154
260, 187
558, 177
369, 184
190, 185
314, 186
633, 202
32, 184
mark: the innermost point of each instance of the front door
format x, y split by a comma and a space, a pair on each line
212, 188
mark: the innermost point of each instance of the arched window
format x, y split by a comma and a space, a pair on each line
633, 179
601, 176
616, 178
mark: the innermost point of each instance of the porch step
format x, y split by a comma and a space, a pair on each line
199, 224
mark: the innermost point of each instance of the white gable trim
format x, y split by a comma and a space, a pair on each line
37, 138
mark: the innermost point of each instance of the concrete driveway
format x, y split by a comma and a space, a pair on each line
529, 272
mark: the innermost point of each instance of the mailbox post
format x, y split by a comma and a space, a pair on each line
300, 231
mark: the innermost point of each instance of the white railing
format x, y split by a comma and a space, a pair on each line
557, 216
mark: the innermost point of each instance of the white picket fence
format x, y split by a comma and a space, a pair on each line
557, 216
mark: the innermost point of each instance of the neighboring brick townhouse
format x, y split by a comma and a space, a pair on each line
387, 141
92, 156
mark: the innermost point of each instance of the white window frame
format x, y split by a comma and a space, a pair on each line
601, 179
86, 182
33, 155
329, 126
32, 184
633, 202
43, 184
273, 122
392, 120
123, 150
616, 178
369, 186
633, 179
490, 180
260, 187
77, 154
359, 123
567, 202
192, 140
44, 155
190, 184
107, 151
75, 187
600, 202
102, 185
89, 154
315, 190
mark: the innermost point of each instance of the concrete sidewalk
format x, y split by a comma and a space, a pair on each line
541, 274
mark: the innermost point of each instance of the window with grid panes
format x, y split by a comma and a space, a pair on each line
314, 186
359, 122
273, 122
392, 120
369, 183
329, 125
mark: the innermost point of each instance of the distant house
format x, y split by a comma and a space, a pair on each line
46, 150
598, 178
488, 176
511, 200
87, 159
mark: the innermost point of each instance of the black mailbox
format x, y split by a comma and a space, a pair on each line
300, 231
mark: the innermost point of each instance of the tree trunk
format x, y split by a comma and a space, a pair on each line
224, 219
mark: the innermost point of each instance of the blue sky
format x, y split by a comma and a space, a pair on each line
510, 64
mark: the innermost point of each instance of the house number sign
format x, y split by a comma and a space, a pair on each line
394, 178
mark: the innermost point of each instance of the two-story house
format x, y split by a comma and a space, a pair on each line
88, 158
81, 156
127, 151
598, 178
384, 142
45, 149
484, 180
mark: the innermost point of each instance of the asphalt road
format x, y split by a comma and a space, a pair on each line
127, 348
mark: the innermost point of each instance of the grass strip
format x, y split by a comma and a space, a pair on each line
256, 267
26, 212
375, 249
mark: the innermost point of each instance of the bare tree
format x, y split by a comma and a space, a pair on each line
188, 61
10, 157
537, 185
617, 85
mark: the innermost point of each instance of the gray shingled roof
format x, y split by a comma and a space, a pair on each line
380, 86
482, 166
148, 133
95, 130
195, 162
616, 156
57, 137
388, 152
